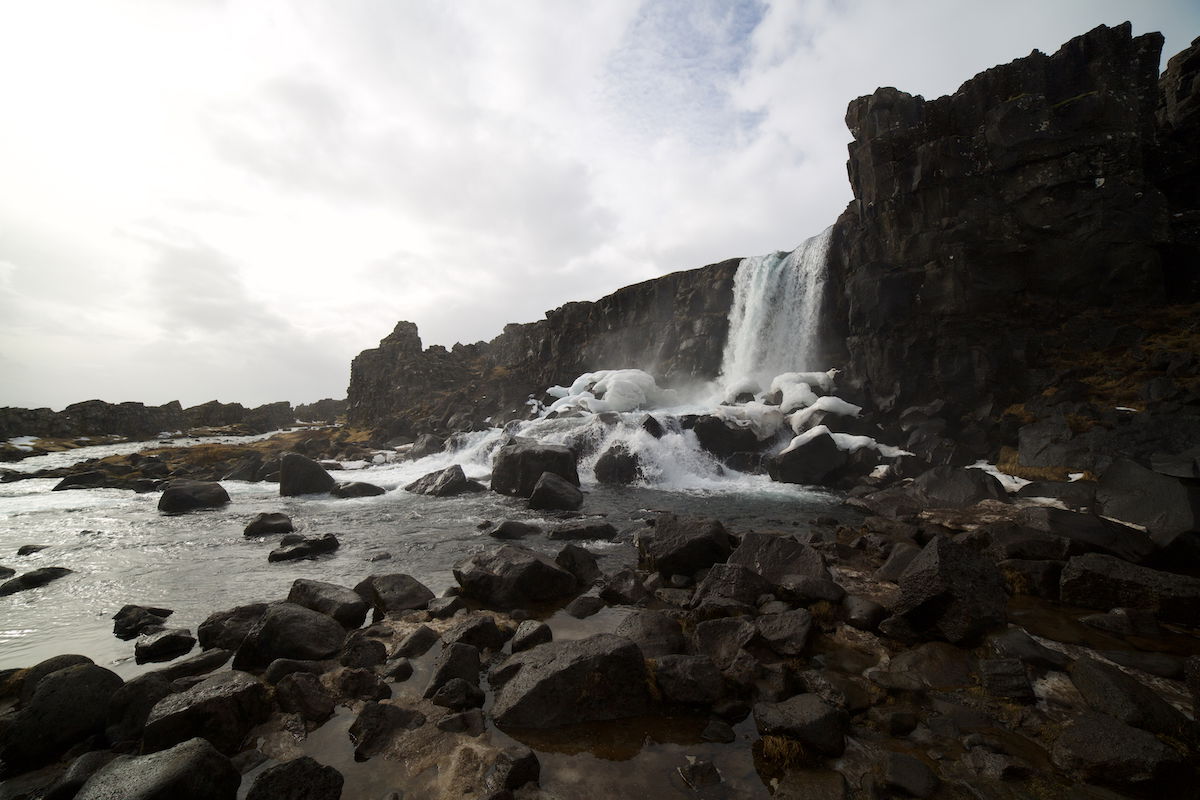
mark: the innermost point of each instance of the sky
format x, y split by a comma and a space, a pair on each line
229, 199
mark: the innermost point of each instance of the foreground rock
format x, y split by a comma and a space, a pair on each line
66, 706
191, 770
681, 545
33, 579
808, 719
132, 620
307, 547
1099, 581
164, 645
343, 604
393, 593
299, 778
221, 709
287, 630
556, 684
553, 493
268, 523
300, 475
180, 496
512, 577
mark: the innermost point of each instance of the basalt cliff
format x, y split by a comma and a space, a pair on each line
1030, 241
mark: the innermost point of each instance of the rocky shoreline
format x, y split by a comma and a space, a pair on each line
958, 641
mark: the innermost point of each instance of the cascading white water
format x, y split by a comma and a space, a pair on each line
775, 320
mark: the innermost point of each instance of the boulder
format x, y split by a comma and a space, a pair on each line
584, 606
727, 584
579, 530
287, 630
554, 493
777, 556
513, 577
227, 629
191, 770
1111, 691
459, 661
911, 776
377, 723
809, 463
457, 694
303, 693
807, 718
1099, 749
956, 487
519, 466
1094, 580
417, 643
360, 651
301, 475
687, 680
267, 523
949, 591
131, 704
624, 588
354, 489
1163, 505
186, 495
723, 639
360, 684
393, 593
164, 645
1085, 533
480, 632
531, 633
722, 438
221, 709
446, 482
618, 465
309, 547
33, 580
682, 545
199, 664
655, 633
132, 620
580, 563
345, 605
602, 677
67, 706
426, 445
299, 779
81, 769
785, 633
1006, 678
513, 529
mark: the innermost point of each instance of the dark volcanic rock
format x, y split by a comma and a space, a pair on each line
1099, 749
268, 523
722, 438
361, 684
599, 678
186, 495
582, 530
33, 579
377, 723
777, 556
67, 705
1111, 691
221, 709
446, 482
163, 645
688, 680
131, 704
393, 593
1086, 533
579, 562
723, 639
287, 630
457, 660
655, 633
531, 633
1163, 505
950, 591
307, 547
513, 577
301, 475
554, 493
808, 463
192, 770
956, 487
345, 605
303, 693
681, 545
131, 620
785, 633
1099, 581
227, 629
806, 718
514, 529
356, 489
519, 466
618, 465
299, 779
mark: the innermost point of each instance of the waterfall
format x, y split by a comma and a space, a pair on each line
774, 323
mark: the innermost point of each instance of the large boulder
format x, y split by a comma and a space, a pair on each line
227, 629
554, 493
1165, 506
1111, 691
949, 591
688, 680
186, 495
512, 577
655, 633
131, 704
299, 779
268, 523
723, 438
777, 556
1094, 580
163, 645
445, 483
132, 620
306, 547
599, 678
393, 593
956, 487
807, 718
1100, 749
1086, 533
519, 465
221, 709
67, 706
809, 462
343, 604
681, 545
354, 489
287, 630
301, 475
191, 770
618, 465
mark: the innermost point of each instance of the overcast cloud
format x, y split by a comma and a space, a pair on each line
206, 199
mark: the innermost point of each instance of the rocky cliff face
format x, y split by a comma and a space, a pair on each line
673, 327
138, 421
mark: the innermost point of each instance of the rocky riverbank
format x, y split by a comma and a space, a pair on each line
956, 640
